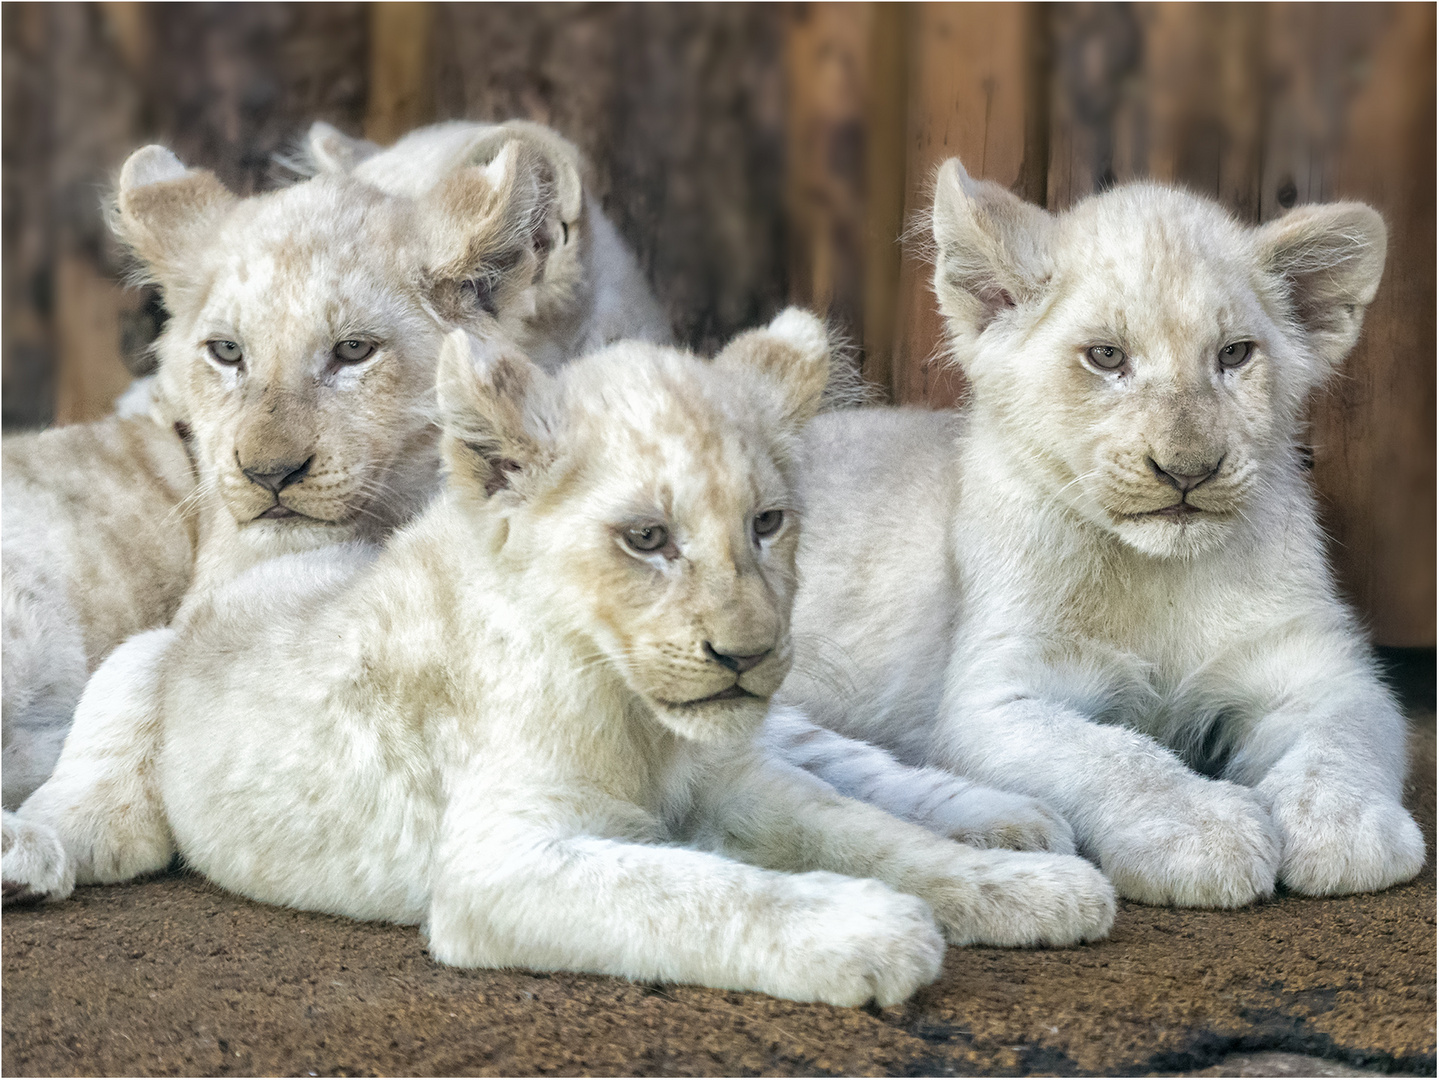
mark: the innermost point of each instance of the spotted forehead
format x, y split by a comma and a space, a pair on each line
1153, 261
309, 250
675, 426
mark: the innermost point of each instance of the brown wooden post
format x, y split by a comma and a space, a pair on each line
970, 94
401, 80
1373, 430
96, 104
844, 187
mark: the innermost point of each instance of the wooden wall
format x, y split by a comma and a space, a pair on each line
1259, 106
753, 154
680, 108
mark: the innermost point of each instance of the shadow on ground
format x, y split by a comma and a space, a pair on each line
173, 977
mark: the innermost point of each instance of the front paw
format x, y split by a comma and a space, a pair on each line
1214, 844
989, 818
33, 863
1021, 898
1338, 842
862, 942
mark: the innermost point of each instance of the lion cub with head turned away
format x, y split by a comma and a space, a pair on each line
1102, 584
528, 722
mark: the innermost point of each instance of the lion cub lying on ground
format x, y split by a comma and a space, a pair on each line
1103, 583
100, 519
300, 352
528, 722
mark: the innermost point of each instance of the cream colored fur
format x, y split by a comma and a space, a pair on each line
286, 275
597, 293
515, 728
1187, 689
95, 549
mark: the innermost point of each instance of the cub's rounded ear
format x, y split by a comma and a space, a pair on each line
510, 200
492, 400
163, 211
330, 150
484, 224
792, 353
991, 252
1330, 259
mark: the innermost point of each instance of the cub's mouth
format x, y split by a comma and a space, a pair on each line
278, 511
1180, 511
733, 693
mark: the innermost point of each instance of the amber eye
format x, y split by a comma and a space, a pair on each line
1107, 357
1232, 356
647, 538
225, 352
768, 523
353, 350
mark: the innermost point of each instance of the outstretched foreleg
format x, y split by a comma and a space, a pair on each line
776, 814
101, 804
950, 805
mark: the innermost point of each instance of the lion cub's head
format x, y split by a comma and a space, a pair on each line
304, 326
645, 494
1144, 356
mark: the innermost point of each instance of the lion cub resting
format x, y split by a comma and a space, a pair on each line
528, 722
1103, 585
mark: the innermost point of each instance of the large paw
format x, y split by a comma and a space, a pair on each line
863, 942
1210, 844
1338, 842
1013, 898
989, 818
33, 864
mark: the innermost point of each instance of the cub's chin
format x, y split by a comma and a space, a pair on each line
293, 533
1168, 536
728, 717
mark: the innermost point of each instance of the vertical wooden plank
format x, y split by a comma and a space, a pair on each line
844, 167
1097, 106
401, 90
26, 229
96, 116
827, 74
1374, 427
885, 117
969, 94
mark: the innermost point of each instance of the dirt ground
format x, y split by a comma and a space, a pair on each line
173, 977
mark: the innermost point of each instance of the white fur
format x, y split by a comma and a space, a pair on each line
985, 593
504, 727
286, 275
608, 297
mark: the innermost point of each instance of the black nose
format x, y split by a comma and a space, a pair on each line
736, 663
278, 477
1184, 481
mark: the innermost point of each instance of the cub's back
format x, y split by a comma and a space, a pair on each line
98, 506
876, 599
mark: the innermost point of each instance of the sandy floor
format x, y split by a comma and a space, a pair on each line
173, 977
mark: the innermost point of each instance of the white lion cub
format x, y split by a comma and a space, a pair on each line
1103, 583
99, 522
528, 722
300, 355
